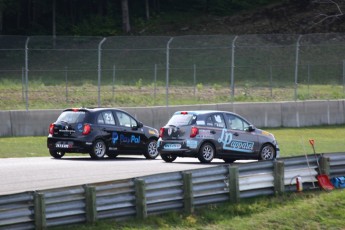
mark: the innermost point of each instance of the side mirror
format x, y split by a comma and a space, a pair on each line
140, 125
250, 128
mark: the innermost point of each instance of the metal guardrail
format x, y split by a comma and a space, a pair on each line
177, 191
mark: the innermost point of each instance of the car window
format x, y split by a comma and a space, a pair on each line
126, 120
71, 117
209, 121
106, 118
215, 120
218, 120
236, 122
181, 119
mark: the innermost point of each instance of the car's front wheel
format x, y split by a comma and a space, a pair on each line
151, 149
206, 153
99, 149
267, 152
168, 157
56, 154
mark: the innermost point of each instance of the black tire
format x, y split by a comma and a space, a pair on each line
168, 157
206, 153
151, 150
99, 149
227, 160
267, 152
112, 155
56, 154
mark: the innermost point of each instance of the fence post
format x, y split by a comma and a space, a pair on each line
324, 165
167, 73
140, 200
278, 171
27, 73
155, 85
232, 80
40, 211
91, 206
113, 86
100, 70
188, 199
66, 80
296, 66
234, 188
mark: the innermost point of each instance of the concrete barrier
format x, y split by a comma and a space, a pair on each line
275, 114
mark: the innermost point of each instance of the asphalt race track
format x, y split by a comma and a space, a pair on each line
40, 173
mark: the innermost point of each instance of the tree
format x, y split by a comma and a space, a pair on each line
125, 16
335, 13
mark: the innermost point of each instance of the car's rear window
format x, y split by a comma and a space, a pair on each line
71, 117
181, 119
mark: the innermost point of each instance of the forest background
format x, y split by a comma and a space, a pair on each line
169, 17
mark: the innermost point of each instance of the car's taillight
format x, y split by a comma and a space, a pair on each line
161, 132
86, 129
194, 131
51, 129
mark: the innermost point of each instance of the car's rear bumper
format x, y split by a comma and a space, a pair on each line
69, 146
177, 148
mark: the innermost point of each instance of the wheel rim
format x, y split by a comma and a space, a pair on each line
208, 152
152, 149
99, 149
267, 153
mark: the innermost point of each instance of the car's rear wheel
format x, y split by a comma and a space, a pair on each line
168, 157
151, 149
56, 154
99, 149
267, 152
206, 153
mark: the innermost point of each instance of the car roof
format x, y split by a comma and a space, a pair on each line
95, 109
200, 112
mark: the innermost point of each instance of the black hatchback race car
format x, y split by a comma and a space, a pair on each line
214, 134
100, 132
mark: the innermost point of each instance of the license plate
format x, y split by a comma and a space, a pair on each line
64, 145
172, 146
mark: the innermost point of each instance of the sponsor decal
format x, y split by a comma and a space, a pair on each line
114, 137
200, 122
125, 139
192, 144
235, 145
172, 146
152, 132
266, 133
66, 131
205, 134
169, 131
80, 127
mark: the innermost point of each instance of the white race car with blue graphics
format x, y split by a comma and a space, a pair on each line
214, 134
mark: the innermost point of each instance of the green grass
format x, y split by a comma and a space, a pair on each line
292, 142
307, 210
145, 94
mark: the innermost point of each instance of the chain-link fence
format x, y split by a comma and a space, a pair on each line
57, 72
